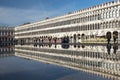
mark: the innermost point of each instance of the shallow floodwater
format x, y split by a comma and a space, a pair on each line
15, 68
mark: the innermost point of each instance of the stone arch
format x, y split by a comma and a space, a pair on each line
83, 34
108, 36
110, 24
117, 23
115, 36
104, 25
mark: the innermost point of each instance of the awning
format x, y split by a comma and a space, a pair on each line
101, 33
87, 33
95, 32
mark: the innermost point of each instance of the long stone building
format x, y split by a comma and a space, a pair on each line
62, 40
6, 40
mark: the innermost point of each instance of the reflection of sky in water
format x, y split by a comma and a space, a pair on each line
14, 68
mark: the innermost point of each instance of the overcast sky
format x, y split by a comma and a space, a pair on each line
16, 12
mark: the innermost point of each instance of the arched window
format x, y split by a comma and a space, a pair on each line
106, 25
101, 25
107, 14
110, 25
117, 13
88, 27
93, 26
113, 25
94, 17
104, 15
113, 13
117, 24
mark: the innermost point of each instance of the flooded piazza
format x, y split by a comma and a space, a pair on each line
80, 45
97, 60
13, 67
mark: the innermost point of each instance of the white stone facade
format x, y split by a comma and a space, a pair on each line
84, 26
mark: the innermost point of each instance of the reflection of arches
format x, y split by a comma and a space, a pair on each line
115, 48
35, 41
65, 42
75, 40
108, 48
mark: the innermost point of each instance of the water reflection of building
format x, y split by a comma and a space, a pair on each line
50, 40
107, 76
6, 40
95, 58
6, 55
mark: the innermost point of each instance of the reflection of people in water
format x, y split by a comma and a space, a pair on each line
115, 48
108, 48
65, 42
